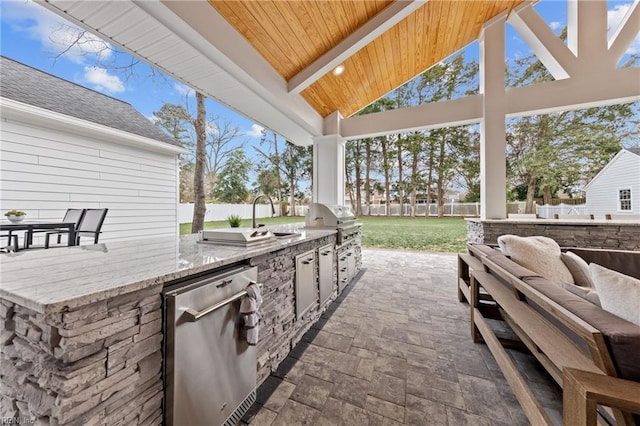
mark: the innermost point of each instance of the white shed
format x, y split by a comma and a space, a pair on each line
616, 189
65, 146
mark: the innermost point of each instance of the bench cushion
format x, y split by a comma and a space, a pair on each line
625, 262
621, 336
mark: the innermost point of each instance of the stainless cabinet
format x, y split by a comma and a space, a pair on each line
305, 282
325, 273
351, 264
343, 275
346, 268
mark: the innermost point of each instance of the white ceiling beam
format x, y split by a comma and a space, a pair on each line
587, 33
626, 32
456, 112
621, 85
547, 46
234, 54
364, 35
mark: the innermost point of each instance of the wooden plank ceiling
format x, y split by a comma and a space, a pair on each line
291, 35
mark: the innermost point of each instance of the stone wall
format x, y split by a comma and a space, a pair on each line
280, 331
94, 364
101, 363
621, 236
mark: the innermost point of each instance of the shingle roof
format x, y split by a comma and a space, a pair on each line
28, 85
636, 151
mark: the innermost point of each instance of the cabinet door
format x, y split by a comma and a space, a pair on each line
305, 282
325, 275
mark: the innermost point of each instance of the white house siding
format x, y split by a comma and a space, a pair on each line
43, 172
602, 192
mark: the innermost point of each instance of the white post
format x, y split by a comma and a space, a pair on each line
328, 169
493, 167
328, 163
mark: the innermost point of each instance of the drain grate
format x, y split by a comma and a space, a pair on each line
239, 412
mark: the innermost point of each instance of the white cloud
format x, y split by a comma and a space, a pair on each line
555, 26
614, 18
183, 89
102, 80
54, 33
255, 132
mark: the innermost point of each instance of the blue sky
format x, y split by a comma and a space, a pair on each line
32, 35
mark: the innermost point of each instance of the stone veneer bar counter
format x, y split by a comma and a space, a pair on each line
81, 337
604, 234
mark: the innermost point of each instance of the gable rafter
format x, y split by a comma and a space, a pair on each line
546, 45
626, 32
587, 33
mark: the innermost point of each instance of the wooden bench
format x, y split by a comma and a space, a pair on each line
543, 327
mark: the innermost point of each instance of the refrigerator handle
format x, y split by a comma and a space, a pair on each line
191, 315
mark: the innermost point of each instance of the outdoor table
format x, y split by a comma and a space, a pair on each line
31, 225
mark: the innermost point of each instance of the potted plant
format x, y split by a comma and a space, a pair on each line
234, 220
15, 215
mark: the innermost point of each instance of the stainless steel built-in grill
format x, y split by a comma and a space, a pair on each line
336, 217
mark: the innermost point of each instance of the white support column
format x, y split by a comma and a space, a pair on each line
328, 169
493, 167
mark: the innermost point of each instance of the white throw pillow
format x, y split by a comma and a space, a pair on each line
588, 294
538, 254
578, 268
618, 293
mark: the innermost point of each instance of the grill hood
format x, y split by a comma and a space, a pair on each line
329, 215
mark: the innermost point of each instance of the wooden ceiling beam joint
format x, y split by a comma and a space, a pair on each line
368, 32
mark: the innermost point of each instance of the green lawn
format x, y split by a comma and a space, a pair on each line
447, 235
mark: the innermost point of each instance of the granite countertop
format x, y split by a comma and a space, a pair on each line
53, 280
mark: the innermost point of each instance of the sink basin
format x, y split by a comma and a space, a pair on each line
241, 237
286, 234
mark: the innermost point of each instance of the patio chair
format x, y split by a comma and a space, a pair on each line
12, 242
72, 215
573, 216
89, 226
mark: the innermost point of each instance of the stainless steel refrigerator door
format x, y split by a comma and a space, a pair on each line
212, 368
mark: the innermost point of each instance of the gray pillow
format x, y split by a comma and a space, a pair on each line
578, 268
589, 294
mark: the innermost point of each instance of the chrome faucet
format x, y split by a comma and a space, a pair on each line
273, 209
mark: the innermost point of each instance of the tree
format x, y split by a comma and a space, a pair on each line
199, 207
221, 144
176, 121
563, 149
233, 178
272, 158
288, 163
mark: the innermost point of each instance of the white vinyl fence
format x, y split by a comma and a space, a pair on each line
546, 211
223, 211
450, 209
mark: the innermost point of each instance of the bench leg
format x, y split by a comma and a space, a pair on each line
473, 304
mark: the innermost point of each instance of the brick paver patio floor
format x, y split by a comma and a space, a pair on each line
395, 348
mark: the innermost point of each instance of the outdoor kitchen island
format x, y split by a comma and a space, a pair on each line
82, 327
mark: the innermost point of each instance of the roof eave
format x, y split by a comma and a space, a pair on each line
11, 109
